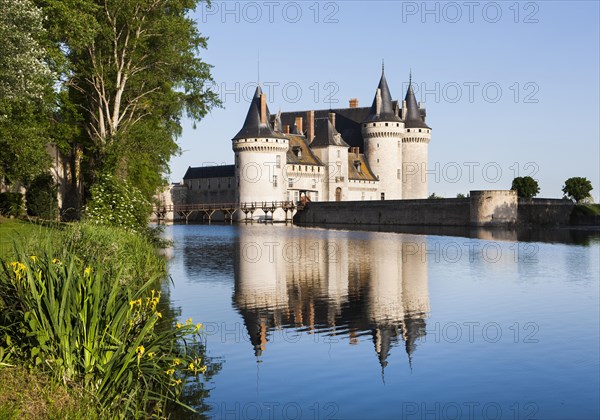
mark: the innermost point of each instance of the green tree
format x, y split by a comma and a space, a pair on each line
434, 197
42, 197
525, 186
25, 92
577, 188
132, 73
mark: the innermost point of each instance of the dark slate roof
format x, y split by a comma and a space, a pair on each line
365, 174
327, 135
386, 112
252, 127
221, 171
347, 122
307, 156
413, 118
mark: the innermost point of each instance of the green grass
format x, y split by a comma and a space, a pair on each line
16, 229
32, 395
588, 209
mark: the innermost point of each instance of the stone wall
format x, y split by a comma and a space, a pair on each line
545, 211
446, 212
493, 207
483, 208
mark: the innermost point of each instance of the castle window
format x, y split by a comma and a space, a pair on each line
382, 196
339, 153
386, 124
312, 168
398, 173
278, 161
274, 180
397, 124
290, 182
377, 144
362, 196
237, 160
419, 130
297, 151
374, 124
377, 160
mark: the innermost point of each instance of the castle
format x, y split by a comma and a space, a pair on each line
347, 154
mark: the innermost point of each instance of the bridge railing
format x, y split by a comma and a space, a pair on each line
252, 205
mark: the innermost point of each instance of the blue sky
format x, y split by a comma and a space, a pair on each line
511, 88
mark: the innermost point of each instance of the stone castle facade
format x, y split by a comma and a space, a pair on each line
347, 154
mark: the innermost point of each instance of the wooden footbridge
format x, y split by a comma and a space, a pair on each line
228, 210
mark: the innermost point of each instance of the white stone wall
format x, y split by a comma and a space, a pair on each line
415, 146
309, 178
493, 207
259, 169
335, 159
383, 148
359, 190
260, 172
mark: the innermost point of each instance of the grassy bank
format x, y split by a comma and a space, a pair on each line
81, 325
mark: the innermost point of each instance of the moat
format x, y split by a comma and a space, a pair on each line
314, 323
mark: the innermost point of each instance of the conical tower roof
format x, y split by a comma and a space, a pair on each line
386, 109
413, 117
253, 127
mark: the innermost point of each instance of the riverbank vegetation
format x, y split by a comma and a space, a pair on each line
83, 329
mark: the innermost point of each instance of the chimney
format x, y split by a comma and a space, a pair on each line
332, 118
355, 150
299, 124
378, 102
353, 103
310, 126
263, 108
286, 129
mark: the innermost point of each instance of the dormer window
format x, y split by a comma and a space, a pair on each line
358, 166
297, 151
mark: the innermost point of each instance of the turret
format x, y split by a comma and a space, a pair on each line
332, 150
382, 132
260, 156
415, 145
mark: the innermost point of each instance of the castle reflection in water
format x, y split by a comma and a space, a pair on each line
332, 283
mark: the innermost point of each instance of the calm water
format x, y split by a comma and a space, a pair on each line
314, 323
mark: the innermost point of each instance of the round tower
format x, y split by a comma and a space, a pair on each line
415, 145
382, 133
260, 157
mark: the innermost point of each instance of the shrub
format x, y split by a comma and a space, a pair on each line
577, 188
42, 197
525, 186
117, 203
11, 204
